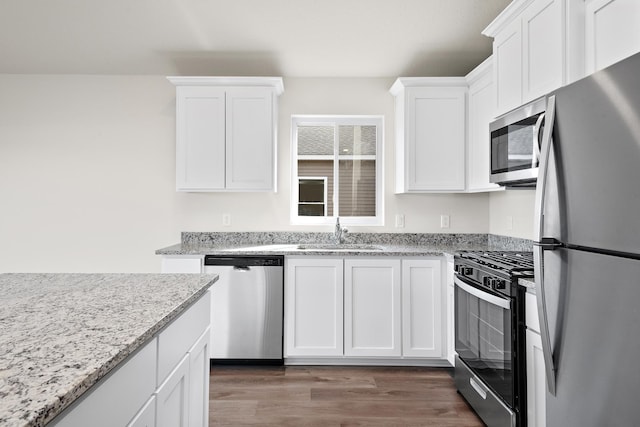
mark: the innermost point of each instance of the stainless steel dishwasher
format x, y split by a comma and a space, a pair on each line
246, 309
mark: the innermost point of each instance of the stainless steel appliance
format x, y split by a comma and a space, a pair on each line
587, 249
490, 364
247, 309
515, 145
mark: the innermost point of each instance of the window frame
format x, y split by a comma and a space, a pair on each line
337, 120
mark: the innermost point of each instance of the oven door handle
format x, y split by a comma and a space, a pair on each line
484, 296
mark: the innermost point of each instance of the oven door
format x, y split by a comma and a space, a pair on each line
483, 328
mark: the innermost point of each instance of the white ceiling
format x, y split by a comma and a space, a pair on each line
302, 38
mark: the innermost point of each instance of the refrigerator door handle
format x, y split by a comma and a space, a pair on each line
543, 315
542, 244
543, 168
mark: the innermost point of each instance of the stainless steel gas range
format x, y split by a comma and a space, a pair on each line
490, 334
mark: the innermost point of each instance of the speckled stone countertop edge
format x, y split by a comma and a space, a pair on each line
27, 411
291, 250
391, 244
114, 362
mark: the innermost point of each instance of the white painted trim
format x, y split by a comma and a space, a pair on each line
367, 361
275, 82
402, 83
511, 12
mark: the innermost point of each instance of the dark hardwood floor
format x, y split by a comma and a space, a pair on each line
336, 396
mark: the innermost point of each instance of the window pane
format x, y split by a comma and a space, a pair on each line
311, 190
318, 168
357, 174
315, 140
357, 140
310, 210
357, 187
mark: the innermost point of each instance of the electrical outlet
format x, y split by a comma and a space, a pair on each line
444, 221
399, 221
226, 220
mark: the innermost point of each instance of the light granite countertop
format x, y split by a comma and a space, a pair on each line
386, 244
61, 333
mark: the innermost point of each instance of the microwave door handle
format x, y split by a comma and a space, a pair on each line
535, 159
540, 247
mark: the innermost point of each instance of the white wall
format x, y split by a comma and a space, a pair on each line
87, 173
511, 213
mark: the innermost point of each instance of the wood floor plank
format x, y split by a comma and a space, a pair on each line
336, 396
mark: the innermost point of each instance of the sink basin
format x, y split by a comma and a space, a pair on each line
339, 247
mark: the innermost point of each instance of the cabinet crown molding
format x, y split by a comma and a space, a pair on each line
404, 82
505, 17
480, 71
275, 82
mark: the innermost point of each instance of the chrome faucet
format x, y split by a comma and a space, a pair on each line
340, 232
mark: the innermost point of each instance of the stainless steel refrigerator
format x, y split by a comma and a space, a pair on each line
587, 249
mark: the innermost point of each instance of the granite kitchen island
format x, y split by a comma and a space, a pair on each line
63, 335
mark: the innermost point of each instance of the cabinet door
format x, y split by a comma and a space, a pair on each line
250, 139
173, 396
435, 138
147, 415
199, 381
481, 111
313, 308
372, 308
536, 382
421, 308
200, 138
507, 53
543, 48
451, 316
612, 33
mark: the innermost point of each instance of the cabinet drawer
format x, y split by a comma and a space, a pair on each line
116, 399
176, 340
531, 311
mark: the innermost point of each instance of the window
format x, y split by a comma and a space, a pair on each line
337, 169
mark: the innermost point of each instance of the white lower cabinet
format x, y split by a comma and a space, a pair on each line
451, 316
147, 415
421, 308
536, 379
380, 308
173, 396
313, 306
199, 381
536, 384
372, 307
166, 383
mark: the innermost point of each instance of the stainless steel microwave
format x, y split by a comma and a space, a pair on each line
515, 145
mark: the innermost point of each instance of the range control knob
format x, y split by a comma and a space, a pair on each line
499, 284
466, 271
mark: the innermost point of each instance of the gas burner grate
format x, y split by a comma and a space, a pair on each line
507, 261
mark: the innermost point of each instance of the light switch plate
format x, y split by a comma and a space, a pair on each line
444, 221
399, 221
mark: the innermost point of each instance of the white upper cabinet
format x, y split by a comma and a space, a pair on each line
430, 134
226, 131
543, 63
481, 112
611, 32
529, 51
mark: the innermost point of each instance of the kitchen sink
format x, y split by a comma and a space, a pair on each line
339, 247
